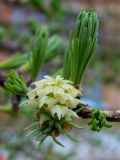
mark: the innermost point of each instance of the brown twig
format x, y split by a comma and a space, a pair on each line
15, 103
86, 112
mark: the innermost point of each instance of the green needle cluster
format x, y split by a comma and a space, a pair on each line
82, 46
98, 121
16, 83
37, 58
53, 48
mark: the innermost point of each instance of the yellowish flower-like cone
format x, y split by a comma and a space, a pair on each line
56, 95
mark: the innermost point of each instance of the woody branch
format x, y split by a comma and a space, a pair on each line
113, 116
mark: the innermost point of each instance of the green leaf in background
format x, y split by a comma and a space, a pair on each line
55, 46
82, 46
33, 25
16, 83
2, 33
37, 58
14, 61
39, 4
56, 9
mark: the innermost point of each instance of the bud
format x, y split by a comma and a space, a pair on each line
16, 83
98, 120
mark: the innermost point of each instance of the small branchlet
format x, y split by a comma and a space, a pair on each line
15, 83
57, 100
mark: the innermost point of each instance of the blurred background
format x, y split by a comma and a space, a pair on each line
19, 20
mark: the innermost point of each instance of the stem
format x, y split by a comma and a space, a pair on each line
112, 116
